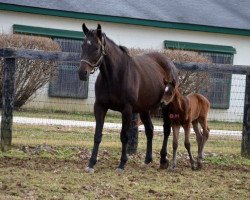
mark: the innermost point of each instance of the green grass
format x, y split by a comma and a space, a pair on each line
47, 162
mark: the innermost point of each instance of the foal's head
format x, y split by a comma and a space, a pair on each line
169, 92
92, 51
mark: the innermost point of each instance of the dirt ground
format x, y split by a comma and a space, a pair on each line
36, 174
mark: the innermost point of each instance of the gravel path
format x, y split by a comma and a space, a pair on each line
61, 122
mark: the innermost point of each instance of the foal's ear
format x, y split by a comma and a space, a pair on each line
165, 82
174, 82
99, 32
85, 29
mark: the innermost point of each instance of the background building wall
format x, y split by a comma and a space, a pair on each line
138, 37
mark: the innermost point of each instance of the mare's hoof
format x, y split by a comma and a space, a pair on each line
89, 170
164, 165
119, 170
148, 160
144, 165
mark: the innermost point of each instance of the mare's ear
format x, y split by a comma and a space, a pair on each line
99, 32
85, 29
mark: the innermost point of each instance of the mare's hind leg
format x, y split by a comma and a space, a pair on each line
149, 128
164, 163
176, 131
199, 139
100, 113
187, 144
126, 120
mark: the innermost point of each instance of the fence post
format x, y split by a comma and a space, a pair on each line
7, 102
245, 145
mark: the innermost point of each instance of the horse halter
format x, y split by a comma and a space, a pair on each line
97, 64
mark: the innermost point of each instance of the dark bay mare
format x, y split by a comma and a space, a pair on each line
125, 84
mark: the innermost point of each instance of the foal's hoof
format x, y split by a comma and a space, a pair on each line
89, 170
199, 165
119, 170
193, 167
164, 165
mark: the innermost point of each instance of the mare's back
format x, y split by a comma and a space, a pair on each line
157, 62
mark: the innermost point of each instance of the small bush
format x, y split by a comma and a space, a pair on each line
30, 74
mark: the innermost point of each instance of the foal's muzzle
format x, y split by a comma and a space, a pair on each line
164, 103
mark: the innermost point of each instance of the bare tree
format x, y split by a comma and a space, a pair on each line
30, 74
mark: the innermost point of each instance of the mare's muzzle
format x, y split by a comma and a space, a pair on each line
83, 75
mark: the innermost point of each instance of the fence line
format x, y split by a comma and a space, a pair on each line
10, 55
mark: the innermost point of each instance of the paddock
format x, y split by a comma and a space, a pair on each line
50, 149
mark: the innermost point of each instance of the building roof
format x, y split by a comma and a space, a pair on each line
229, 14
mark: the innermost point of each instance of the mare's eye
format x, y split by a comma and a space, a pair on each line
89, 42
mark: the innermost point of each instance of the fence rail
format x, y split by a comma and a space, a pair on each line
10, 55
75, 57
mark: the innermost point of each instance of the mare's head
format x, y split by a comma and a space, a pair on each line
92, 51
169, 92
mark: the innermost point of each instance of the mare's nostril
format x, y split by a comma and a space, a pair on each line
83, 75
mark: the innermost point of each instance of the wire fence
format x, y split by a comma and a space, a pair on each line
226, 110
73, 115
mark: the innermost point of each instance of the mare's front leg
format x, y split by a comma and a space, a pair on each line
100, 113
149, 129
126, 120
164, 163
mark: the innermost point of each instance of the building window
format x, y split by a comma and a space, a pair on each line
219, 93
220, 88
66, 83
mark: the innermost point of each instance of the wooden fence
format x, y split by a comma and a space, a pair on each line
10, 55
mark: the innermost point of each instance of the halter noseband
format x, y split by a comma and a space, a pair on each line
97, 64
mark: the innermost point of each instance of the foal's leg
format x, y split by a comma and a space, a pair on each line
100, 114
126, 120
176, 131
149, 128
199, 139
205, 133
187, 144
166, 129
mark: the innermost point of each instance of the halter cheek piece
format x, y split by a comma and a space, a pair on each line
97, 64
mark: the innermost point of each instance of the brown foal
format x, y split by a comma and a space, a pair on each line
184, 110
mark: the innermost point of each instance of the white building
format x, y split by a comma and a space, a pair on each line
217, 28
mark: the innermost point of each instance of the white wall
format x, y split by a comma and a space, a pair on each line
144, 37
